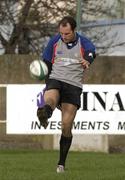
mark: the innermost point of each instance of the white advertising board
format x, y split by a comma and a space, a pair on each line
102, 110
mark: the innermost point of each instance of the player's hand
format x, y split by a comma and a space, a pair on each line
85, 64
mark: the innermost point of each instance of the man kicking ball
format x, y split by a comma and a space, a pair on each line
67, 55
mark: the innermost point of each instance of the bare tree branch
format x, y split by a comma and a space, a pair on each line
28, 22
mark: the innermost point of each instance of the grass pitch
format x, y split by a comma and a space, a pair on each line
41, 165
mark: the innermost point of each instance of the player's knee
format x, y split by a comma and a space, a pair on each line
51, 97
67, 132
51, 102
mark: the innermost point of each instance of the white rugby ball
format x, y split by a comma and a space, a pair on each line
38, 69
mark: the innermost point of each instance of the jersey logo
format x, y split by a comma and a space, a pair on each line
59, 52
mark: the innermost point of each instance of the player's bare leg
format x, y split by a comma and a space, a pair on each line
68, 115
51, 98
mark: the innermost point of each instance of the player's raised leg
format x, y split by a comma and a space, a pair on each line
51, 98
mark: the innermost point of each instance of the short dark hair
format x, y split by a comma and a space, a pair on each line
70, 20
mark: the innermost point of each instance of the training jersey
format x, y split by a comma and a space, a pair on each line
66, 58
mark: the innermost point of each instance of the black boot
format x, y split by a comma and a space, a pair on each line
43, 113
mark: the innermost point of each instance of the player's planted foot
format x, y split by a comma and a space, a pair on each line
60, 169
42, 116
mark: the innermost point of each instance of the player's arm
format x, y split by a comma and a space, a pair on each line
88, 58
47, 57
88, 52
48, 54
49, 65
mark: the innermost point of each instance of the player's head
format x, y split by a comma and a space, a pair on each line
67, 28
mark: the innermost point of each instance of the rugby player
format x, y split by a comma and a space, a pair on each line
67, 55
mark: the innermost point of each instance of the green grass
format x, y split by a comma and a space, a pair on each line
41, 165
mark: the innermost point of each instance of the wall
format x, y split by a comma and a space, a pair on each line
15, 70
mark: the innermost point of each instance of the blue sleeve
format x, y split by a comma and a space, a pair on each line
48, 51
89, 49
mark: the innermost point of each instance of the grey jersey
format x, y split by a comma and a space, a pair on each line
67, 66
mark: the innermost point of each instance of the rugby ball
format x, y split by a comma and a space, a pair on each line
38, 69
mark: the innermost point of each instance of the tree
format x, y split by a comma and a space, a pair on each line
105, 37
25, 23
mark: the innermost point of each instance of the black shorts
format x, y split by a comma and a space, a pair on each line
68, 93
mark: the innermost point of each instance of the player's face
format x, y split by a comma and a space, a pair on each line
67, 33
